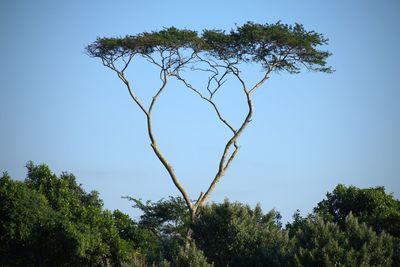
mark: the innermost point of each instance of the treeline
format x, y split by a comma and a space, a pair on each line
49, 220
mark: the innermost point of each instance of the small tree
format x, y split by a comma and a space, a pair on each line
218, 55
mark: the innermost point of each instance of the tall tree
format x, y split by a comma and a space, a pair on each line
218, 55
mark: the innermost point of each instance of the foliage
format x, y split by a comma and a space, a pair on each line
323, 243
25, 216
284, 46
142, 240
191, 257
233, 234
144, 43
167, 220
372, 206
51, 221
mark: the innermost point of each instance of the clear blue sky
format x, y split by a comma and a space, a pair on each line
309, 133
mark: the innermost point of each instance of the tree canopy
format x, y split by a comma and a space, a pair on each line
278, 45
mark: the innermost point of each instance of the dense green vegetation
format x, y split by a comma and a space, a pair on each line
49, 220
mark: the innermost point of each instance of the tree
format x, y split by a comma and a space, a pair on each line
229, 234
167, 220
166, 217
233, 234
317, 242
217, 55
24, 215
51, 221
372, 206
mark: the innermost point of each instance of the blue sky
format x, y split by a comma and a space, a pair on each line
309, 133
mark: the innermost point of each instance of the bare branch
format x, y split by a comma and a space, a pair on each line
111, 65
182, 61
233, 155
209, 100
225, 162
148, 113
155, 148
257, 85
152, 60
127, 62
219, 82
